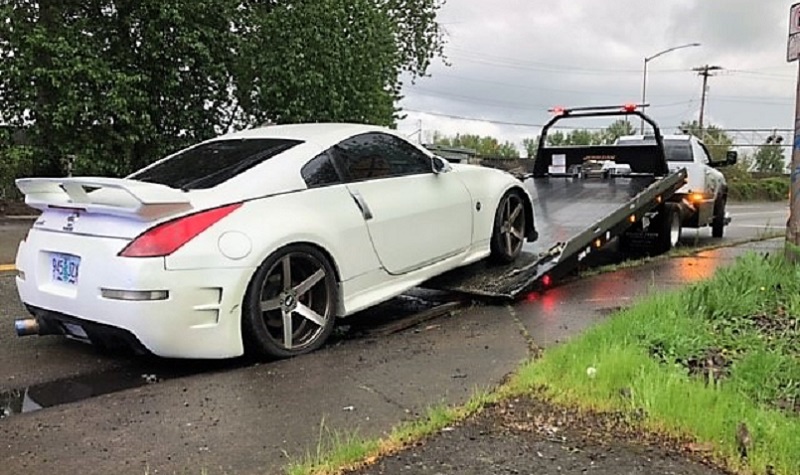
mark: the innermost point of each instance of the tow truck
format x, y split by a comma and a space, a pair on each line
584, 197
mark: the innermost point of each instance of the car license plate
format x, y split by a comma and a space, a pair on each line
64, 268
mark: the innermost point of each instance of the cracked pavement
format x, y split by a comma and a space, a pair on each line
241, 417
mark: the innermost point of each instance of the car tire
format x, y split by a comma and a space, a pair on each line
668, 229
510, 225
294, 288
718, 222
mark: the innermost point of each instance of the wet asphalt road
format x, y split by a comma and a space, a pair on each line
241, 417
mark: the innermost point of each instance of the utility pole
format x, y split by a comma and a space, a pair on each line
792, 251
705, 71
793, 225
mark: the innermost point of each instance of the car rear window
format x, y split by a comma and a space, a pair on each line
209, 164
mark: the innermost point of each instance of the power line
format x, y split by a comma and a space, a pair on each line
529, 88
765, 100
506, 104
477, 100
566, 127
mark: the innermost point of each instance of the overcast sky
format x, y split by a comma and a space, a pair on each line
512, 60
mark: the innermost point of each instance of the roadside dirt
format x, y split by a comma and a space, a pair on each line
529, 436
16, 208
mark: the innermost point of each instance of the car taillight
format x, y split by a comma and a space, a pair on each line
168, 237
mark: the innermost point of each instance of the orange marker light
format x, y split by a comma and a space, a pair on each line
696, 197
632, 218
598, 243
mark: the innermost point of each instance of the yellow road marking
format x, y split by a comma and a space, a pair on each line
7, 267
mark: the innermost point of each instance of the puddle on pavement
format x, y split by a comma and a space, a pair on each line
548, 306
64, 391
85, 386
153, 371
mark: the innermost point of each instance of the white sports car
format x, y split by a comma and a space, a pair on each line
256, 240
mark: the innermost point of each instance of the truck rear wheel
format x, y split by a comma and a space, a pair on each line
668, 228
718, 224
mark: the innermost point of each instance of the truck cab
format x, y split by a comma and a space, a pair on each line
705, 194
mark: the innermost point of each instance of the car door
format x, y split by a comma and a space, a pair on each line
415, 217
714, 179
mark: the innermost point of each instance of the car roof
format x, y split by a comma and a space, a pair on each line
324, 134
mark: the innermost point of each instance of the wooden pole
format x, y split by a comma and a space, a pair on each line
793, 225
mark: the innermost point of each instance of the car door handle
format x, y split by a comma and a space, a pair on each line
362, 205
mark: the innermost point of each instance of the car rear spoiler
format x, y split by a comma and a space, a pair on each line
112, 196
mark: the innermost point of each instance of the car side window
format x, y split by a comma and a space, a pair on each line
320, 171
377, 155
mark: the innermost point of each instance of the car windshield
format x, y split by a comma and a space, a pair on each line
209, 164
675, 149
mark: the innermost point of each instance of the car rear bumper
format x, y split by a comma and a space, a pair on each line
197, 315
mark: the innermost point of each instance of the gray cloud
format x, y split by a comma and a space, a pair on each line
513, 60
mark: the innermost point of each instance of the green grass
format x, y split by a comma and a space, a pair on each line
747, 317
336, 452
747, 314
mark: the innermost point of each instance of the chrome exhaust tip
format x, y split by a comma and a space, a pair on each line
27, 327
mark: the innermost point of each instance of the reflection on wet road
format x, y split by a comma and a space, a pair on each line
552, 316
361, 383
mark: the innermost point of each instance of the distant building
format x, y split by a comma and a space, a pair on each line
452, 154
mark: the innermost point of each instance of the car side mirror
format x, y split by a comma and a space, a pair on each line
731, 157
438, 165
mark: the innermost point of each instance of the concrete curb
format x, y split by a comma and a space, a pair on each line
24, 219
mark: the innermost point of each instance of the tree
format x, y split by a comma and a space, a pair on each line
487, 147
582, 137
616, 130
558, 138
120, 83
717, 141
329, 60
531, 146
115, 83
769, 158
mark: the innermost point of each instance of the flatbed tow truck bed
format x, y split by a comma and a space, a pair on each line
566, 212
575, 214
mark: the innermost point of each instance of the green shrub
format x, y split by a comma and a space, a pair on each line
15, 162
746, 187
